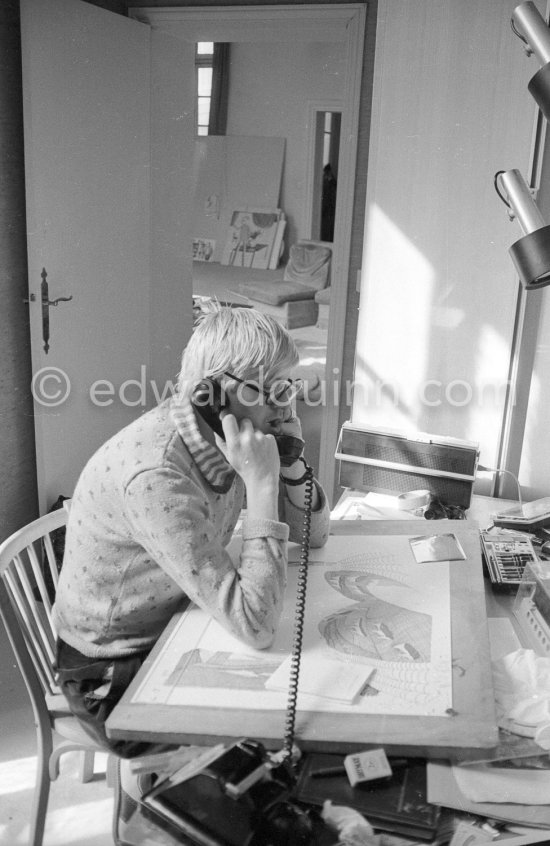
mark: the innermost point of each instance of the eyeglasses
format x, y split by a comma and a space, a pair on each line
280, 393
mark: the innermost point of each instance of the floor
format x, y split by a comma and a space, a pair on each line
79, 814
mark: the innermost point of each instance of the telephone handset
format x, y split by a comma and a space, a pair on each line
207, 399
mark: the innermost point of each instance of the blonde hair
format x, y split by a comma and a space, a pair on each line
242, 341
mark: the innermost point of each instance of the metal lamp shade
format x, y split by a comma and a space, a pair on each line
531, 257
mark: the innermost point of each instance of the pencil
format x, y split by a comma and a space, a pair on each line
328, 771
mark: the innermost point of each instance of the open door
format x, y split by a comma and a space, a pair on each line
108, 163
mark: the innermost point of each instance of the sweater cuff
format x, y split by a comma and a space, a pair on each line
264, 529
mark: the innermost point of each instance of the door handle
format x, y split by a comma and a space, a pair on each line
58, 300
46, 303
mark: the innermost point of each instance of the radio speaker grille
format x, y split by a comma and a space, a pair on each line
417, 455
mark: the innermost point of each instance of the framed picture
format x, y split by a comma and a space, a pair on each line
250, 237
203, 249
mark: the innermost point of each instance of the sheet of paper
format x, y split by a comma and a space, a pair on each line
368, 603
358, 507
443, 790
483, 783
330, 679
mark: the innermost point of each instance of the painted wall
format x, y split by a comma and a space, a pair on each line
438, 291
270, 88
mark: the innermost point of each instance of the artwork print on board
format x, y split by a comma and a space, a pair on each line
250, 238
377, 609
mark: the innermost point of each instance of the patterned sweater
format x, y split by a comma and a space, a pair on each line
147, 532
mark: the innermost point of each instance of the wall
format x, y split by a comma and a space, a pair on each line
270, 87
438, 291
18, 495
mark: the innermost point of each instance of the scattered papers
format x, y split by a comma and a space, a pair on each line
443, 790
521, 682
360, 506
470, 834
483, 783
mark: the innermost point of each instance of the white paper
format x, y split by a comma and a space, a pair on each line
357, 506
494, 784
328, 680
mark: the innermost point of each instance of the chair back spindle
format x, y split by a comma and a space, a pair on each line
28, 582
24, 560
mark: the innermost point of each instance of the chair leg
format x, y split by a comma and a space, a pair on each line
42, 788
111, 771
86, 770
115, 775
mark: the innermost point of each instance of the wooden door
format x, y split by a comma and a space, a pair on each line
107, 166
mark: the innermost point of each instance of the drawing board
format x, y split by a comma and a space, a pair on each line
413, 634
374, 611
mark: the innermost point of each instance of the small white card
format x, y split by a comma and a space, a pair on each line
366, 766
327, 679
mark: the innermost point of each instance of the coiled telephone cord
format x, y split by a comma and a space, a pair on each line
290, 719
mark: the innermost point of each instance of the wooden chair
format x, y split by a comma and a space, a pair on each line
27, 568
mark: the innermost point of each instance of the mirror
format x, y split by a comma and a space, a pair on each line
294, 85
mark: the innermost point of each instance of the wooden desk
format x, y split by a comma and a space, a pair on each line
481, 508
472, 724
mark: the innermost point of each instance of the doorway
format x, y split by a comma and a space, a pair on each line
326, 130
303, 27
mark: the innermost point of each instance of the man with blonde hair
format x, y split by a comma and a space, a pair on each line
155, 508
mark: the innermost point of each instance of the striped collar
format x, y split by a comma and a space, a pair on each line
210, 461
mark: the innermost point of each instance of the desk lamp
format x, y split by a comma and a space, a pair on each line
531, 254
529, 25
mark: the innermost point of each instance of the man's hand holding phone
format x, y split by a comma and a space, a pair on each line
251, 453
255, 457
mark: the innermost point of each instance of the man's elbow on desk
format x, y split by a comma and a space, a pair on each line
252, 630
256, 638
